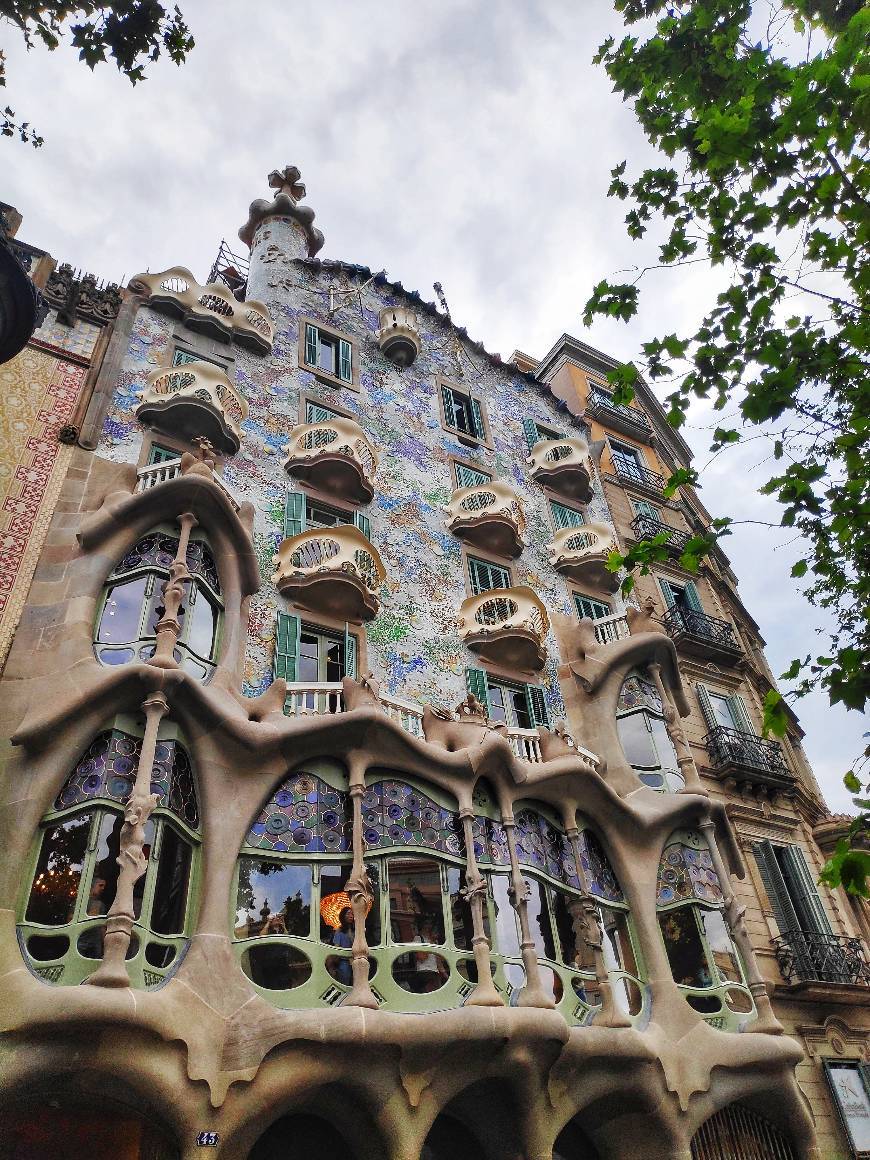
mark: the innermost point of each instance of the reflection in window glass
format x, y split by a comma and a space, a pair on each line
202, 625
684, 948
276, 966
721, 946
506, 931
539, 919
170, 893
58, 871
460, 911
421, 971
122, 612
637, 741
416, 913
333, 879
570, 951
273, 898
618, 951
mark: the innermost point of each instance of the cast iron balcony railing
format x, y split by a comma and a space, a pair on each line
647, 528
488, 516
628, 420
697, 633
582, 553
194, 400
732, 749
639, 477
564, 465
506, 626
332, 570
809, 957
334, 456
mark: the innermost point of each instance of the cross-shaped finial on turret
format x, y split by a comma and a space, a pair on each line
287, 181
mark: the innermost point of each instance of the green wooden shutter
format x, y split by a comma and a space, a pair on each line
349, 652
294, 514
449, 410
287, 631
706, 706
312, 345
565, 517
537, 706
476, 682
477, 419
475, 576
802, 890
317, 413
667, 593
693, 600
740, 715
158, 454
345, 363
362, 522
530, 428
774, 883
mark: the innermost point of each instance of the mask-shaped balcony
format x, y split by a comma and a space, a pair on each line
208, 309
488, 516
506, 626
335, 457
564, 465
399, 335
582, 553
336, 571
194, 400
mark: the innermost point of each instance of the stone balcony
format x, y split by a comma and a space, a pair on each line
192, 401
335, 457
563, 465
335, 571
582, 553
488, 516
697, 634
506, 626
208, 309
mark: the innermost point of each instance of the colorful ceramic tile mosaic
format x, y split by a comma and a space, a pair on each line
597, 872
686, 872
396, 814
304, 815
108, 770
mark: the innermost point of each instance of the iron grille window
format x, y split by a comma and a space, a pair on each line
485, 576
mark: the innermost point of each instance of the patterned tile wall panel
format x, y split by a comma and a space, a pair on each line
413, 645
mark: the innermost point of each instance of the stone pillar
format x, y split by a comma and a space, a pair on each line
474, 893
359, 890
533, 993
734, 912
169, 626
112, 972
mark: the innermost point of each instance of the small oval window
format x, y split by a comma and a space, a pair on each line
421, 971
276, 967
44, 947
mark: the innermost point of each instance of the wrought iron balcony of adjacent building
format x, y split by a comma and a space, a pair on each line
334, 456
647, 528
747, 759
582, 553
194, 400
697, 634
210, 309
618, 417
563, 465
506, 626
640, 478
335, 571
807, 957
488, 516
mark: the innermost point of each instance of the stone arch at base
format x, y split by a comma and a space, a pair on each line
572, 1143
300, 1136
479, 1123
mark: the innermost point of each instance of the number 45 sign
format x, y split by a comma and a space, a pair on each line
207, 1140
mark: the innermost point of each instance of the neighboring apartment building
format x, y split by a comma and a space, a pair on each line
327, 715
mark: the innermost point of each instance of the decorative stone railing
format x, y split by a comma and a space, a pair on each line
582, 553
611, 628
506, 626
564, 465
156, 473
489, 516
192, 401
331, 570
398, 335
210, 309
334, 456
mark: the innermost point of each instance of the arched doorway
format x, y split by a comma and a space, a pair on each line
301, 1137
448, 1139
738, 1131
38, 1130
572, 1143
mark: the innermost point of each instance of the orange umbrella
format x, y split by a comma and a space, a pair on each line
331, 907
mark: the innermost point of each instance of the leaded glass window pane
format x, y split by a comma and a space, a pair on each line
304, 815
684, 948
416, 912
396, 814
58, 872
273, 898
121, 620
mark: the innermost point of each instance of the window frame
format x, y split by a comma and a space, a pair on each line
476, 557
337, 336
468, 438
554, 504
306, 401
457, 465
578, 596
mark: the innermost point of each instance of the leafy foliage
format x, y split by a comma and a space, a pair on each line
762, 115
130, 32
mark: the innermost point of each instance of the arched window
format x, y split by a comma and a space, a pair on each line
75, 867
703, 958
132, 605
294, 929
644, 735
739, 1131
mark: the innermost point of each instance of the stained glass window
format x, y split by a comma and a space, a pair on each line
639, 693
304, 815
686, 873
108, 770
490, 842
543, 847
597, 871
396, 814
644, 735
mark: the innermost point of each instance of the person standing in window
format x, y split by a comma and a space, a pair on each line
343, 937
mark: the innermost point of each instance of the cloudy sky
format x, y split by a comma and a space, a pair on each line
461, 141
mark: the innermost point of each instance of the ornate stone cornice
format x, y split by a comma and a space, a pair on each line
82, 297
285, 204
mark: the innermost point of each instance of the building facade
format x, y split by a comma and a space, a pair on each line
349, 809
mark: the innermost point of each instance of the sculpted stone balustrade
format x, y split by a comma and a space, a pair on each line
333, 570
506, 626
582, 554
488, 516
209, 309
334, 456
399, 335
196, 400
564, 465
